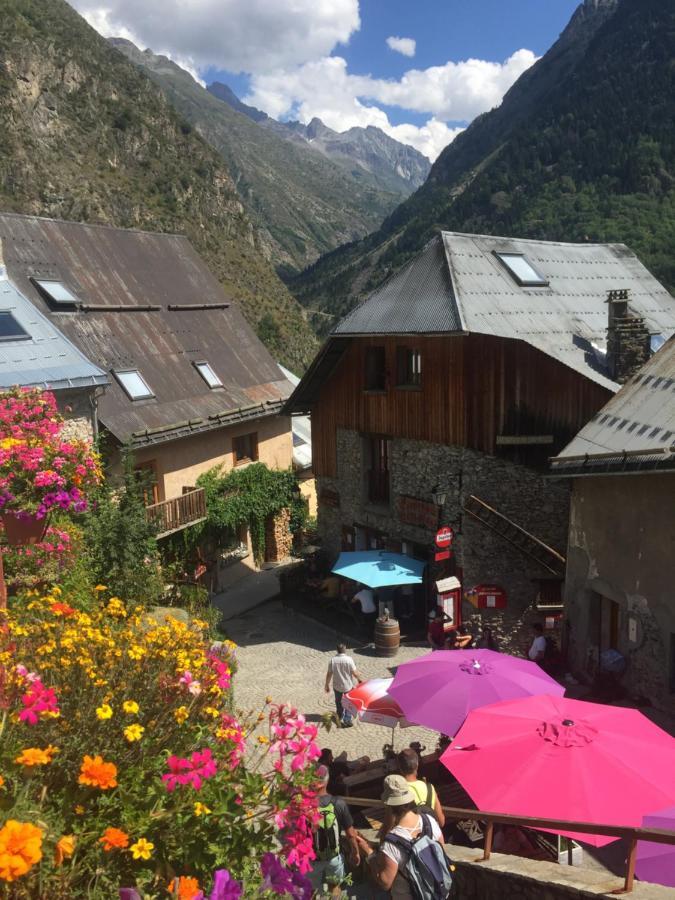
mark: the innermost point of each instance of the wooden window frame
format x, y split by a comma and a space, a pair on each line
375, 369
242, 460
378, 475
408, 368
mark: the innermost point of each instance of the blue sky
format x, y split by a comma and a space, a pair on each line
330, 58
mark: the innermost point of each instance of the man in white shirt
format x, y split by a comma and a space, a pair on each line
537, 649
342, 671
365, 598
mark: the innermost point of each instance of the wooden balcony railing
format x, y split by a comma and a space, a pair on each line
633, 834
177, 513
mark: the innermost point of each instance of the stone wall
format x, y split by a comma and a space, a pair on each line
523, 495
621, 551
79, 410
278, 537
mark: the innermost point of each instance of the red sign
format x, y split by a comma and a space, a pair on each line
442, 554
445, 536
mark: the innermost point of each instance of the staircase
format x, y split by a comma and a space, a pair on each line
527, 543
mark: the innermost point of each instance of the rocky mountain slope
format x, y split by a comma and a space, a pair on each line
369, 152
581, 148
85, 136
301, 203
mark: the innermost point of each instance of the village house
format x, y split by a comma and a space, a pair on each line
191, 385
619, 590
439, 400
34, 353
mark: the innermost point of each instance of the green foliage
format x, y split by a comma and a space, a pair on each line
120, 541
246, 496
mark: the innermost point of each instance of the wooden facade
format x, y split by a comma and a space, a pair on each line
474, 388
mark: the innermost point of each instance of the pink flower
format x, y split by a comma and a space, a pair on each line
193, 686
193, 771
37, 701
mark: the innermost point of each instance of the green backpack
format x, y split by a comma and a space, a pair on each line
327, 834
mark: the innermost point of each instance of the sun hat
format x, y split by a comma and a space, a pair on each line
396, 791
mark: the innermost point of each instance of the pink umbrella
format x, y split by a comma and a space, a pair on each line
656, 862
554, 758
371, 702
439, 689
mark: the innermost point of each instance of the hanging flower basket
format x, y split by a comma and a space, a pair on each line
23, 528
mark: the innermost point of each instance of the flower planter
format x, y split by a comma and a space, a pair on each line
23, 528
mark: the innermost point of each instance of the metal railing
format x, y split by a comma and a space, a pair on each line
178, 512
633, 834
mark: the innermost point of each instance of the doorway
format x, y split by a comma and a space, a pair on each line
607, 619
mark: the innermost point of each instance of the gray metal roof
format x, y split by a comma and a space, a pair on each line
47, 359
457, 284
635, 430
148, 302
418, 299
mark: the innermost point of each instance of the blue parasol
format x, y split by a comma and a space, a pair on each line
379, 568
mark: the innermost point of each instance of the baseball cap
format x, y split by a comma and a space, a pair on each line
396, 791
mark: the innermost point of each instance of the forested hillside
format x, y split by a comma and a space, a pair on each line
582, 148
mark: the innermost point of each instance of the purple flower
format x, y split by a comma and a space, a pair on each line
225, 887
277, 878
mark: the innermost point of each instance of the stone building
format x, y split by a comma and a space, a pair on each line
620, 583
440, 399
191, 385
34, 353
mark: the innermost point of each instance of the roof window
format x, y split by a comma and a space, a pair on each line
10, 330
133, 384
208, 374
521, 269
56, 292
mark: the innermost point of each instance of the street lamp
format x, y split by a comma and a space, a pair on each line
438, 496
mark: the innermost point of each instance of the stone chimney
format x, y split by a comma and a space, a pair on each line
628, 346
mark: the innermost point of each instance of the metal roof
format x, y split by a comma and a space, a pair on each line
301, 429
148, 302
635, 430
46, 359
457, 284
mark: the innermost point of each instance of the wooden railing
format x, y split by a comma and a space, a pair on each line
653, 835
177, 513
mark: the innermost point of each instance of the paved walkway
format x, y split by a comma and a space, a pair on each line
284, 655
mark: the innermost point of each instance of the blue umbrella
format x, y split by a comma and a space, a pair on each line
378, 568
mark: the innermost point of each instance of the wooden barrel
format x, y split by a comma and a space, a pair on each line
387, 637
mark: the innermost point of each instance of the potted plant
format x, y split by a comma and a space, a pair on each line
40, 469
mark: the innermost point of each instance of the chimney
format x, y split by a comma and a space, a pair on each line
628, 346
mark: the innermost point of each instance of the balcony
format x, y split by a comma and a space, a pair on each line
178, 513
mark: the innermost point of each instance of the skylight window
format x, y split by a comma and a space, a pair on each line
10, 330
208, 374
521, 269
56, 292
133, 384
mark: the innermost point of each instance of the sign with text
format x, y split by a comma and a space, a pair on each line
444, 537
412, 511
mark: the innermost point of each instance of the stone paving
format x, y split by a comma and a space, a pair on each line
285, 655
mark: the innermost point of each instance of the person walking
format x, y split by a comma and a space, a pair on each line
425, 794
335, 824
411, 861
342, 672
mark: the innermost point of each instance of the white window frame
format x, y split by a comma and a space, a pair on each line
504, 257
119, 375
43, 284
203, 364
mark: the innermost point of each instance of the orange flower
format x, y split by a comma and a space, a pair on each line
34, 756
2, 781
188, 888
97, 773
20, 848
65, 847
114, 839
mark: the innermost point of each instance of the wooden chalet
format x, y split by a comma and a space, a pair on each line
440, 399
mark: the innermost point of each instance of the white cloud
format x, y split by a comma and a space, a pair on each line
406, 46
238, 35
455, 92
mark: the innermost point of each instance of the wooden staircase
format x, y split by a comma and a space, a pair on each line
522, 540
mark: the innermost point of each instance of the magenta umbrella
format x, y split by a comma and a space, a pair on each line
555, 758
656, 862
441, 688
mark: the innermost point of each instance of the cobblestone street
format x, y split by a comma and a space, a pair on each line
285, 656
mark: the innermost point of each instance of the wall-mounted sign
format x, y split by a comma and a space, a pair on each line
412, 511
487, 596
444, 537
329, 498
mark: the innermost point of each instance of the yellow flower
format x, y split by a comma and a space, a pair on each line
100, 587
201, 809
263, 740
79, 809
181, 714
142, 849
65, 847
130, 707
104, 712
211, 711
133, 733
136, 652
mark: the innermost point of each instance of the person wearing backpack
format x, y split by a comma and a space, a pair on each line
411, 862
425, 794
335, 822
